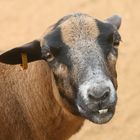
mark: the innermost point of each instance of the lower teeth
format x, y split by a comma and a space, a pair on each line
103, 111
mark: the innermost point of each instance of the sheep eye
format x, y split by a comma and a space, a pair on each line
116, 39
116, 43
49, 57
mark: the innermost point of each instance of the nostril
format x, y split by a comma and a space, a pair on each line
106, 94
90, 96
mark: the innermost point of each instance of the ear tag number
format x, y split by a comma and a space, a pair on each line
24, 61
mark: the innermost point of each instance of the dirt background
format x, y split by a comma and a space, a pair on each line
24, 20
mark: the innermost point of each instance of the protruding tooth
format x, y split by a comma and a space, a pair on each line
103, 111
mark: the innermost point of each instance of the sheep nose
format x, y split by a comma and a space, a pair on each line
99, 92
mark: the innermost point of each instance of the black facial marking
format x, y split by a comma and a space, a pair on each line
108, 37
57, 47
54, 41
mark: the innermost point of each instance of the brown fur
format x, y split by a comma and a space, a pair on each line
72, 29
28, 106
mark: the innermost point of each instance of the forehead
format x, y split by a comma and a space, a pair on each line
82, 27
75, 29
79, 28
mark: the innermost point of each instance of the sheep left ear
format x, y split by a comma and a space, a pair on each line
115, 21
30, 50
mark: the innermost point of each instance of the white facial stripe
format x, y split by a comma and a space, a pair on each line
83, 90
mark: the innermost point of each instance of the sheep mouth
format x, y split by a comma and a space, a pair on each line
99, 116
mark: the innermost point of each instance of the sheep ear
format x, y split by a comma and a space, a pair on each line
14, 56
115, 21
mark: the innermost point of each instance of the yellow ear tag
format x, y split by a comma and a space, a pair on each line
24, 61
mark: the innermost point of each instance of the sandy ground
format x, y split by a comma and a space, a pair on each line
24, 20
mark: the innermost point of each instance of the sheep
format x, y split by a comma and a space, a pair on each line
71, 77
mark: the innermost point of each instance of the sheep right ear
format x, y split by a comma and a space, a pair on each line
14, 56
115, 21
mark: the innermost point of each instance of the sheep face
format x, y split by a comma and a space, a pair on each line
82, 52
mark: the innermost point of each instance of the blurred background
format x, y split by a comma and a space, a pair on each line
24, 20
